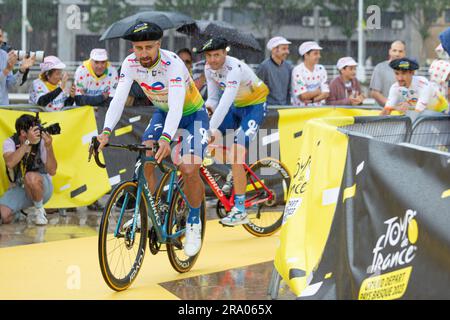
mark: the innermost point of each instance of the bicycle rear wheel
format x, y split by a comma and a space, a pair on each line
121, 256
266, 217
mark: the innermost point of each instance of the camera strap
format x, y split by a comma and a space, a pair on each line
24, 77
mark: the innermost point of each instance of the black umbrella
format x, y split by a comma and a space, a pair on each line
165, 20
203, 29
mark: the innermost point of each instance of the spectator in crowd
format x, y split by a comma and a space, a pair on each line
309, 79
440, 76
445, 45
186, 55
412, 92
445, 40
276, 72
345, 89
95, 80
441, 53
383, 76
198, 75
9, 79
30, 162
49, 90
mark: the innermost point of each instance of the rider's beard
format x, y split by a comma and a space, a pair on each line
146, 62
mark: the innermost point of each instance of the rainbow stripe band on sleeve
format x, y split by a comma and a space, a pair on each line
166, 137
107, 131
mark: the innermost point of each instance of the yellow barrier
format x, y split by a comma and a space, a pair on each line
77, 182
315, 152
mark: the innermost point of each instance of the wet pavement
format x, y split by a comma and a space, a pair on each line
247, 283
250, 282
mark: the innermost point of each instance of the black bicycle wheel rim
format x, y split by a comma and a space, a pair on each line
106, 266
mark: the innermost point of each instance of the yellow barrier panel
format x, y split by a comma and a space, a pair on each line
317, 168
77, 182
292, 121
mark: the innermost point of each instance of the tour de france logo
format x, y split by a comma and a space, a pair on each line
392, 259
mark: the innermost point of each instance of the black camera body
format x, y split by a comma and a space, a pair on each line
5, 47
53, 129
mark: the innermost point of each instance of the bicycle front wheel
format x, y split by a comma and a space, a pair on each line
266, 217
178, 213
121, 251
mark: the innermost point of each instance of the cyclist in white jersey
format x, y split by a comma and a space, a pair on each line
238, 98
411, 92
166, 81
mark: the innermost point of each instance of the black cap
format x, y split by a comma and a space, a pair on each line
143, 31
404, 64
213, 44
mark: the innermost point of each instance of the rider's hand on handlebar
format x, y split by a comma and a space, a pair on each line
163, 151
103, 139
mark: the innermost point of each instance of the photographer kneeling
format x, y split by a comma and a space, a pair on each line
30, 162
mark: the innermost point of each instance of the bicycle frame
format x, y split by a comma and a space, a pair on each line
152, 210
228, 203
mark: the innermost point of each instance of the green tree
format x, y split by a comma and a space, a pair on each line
269, 15
196, 9
343, 14
423, 13
42, 16
106, 12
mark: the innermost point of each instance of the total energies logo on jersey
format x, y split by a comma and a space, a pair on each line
222, 86
232, 84
395, 248
155, 87
177, 82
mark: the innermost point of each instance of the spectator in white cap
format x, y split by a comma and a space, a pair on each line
276, 72
96, 80
345, 89
50, 89
309, 79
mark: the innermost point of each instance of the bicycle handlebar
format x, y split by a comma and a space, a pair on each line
94, 145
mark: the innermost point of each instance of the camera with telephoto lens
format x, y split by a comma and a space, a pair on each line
21, 54
53, 129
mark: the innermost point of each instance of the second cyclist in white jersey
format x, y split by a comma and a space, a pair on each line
238, 98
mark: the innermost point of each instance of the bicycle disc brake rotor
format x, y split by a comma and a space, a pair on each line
273, 201
128, 241
220, 210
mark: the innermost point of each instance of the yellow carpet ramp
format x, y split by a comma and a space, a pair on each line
70, 269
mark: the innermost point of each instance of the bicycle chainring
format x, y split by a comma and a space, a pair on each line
153, 243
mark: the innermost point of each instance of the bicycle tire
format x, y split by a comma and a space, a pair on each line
268, 230
114, 282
